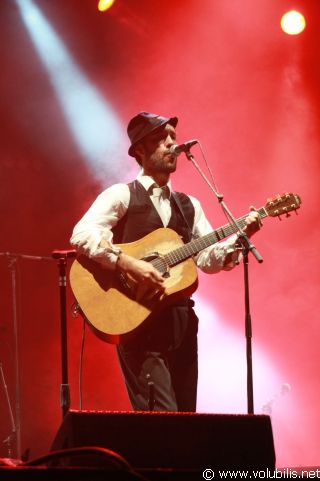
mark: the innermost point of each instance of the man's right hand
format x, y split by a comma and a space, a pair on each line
150, 281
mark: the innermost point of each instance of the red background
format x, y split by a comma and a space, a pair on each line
250, 94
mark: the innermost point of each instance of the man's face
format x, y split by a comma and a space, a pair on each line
154, 151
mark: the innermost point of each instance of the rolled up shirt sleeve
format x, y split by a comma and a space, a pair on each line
97, 223
223, 255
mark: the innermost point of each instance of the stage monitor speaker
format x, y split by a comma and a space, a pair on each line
173, 440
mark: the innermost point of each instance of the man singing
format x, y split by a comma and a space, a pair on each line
164, 353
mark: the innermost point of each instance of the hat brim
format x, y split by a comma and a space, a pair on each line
172, 121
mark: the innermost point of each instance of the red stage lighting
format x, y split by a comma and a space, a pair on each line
293, 22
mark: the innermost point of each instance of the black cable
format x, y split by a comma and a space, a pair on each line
109, 460
81, 362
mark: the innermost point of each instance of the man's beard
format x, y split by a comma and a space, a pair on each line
161, 164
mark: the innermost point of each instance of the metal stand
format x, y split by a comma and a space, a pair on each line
62, 256
247, 247
12, 264
248, 331
11, 439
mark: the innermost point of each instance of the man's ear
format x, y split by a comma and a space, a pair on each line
139, 153
139, 150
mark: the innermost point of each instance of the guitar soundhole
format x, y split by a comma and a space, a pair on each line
156, 260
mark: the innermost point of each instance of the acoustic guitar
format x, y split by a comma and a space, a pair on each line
111, 301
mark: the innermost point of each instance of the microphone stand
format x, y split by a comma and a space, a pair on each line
16, 426
12, 437
61, 256
246, 247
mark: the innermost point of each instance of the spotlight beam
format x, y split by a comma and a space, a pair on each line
91, 120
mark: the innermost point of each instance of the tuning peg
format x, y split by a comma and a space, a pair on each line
287, 214
296, 212
279, 217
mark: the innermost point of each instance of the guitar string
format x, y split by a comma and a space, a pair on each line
188, 250
197, 245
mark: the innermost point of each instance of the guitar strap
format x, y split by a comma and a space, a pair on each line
176, 199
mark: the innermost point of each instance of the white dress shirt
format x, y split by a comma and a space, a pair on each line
111, 205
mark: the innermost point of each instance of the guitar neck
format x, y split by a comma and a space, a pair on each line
193, 247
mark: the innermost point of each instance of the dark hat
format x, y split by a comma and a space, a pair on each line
142, 124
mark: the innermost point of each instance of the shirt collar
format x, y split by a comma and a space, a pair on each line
148, 181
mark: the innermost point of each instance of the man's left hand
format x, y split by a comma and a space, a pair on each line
253, 222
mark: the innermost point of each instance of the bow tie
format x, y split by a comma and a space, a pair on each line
160, 191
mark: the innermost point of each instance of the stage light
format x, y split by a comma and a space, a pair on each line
104, 5
90, 118
293, 22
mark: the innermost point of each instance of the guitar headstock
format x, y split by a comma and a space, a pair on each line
282, 204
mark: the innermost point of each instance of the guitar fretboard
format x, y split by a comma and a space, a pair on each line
193, 247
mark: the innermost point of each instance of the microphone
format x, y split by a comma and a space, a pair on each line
178, 149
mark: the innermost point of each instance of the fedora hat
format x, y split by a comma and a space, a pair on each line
142, 124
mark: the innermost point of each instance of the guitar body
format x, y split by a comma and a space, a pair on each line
115, 313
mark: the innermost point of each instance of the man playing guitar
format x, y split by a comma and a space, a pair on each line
163, 354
